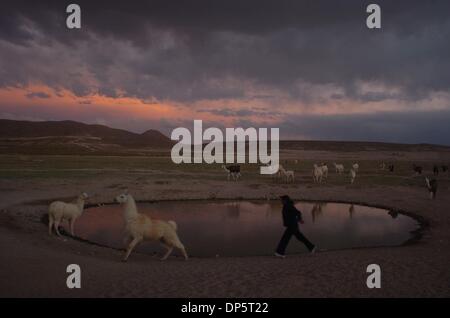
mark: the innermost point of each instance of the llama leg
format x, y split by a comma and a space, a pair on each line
50, 224
131, 246
183, 251
180, 246
169, 251
72, 223
56, 224
127, 240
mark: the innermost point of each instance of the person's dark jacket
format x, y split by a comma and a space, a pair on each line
291, 216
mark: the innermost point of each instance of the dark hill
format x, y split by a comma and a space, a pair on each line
102, 134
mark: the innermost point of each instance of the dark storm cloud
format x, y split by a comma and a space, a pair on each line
227, 112
186, 51
174, 49
412, 127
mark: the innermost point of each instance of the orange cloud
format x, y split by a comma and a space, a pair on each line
67, 104
41, 102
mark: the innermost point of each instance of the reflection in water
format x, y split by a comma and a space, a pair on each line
351, 210
317, 210
393, 214
233, 210
251, 228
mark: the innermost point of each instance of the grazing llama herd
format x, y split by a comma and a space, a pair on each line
320, 173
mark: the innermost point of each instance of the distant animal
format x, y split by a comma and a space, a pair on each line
339, 168
417, 169
233, 171
355, 167
59, 211
432, 187
435, 170
324, 168
317, 174
141, 227
383, 166
352, 175
391, 167
287, 174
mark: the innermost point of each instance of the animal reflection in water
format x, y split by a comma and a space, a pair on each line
317, 210
393, 214
351, 211
233, 210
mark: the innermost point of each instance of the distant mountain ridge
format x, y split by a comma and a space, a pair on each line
67, 128
71, 137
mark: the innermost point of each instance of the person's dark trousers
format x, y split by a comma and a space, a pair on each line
292, 230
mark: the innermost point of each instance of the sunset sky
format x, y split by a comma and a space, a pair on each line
311, 68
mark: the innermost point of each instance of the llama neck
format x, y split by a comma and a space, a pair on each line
130, 211
80, 204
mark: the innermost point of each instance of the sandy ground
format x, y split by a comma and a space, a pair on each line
33, 264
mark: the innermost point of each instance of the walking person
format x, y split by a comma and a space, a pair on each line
291, 218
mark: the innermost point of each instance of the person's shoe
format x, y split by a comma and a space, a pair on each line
313, 250
279, 255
